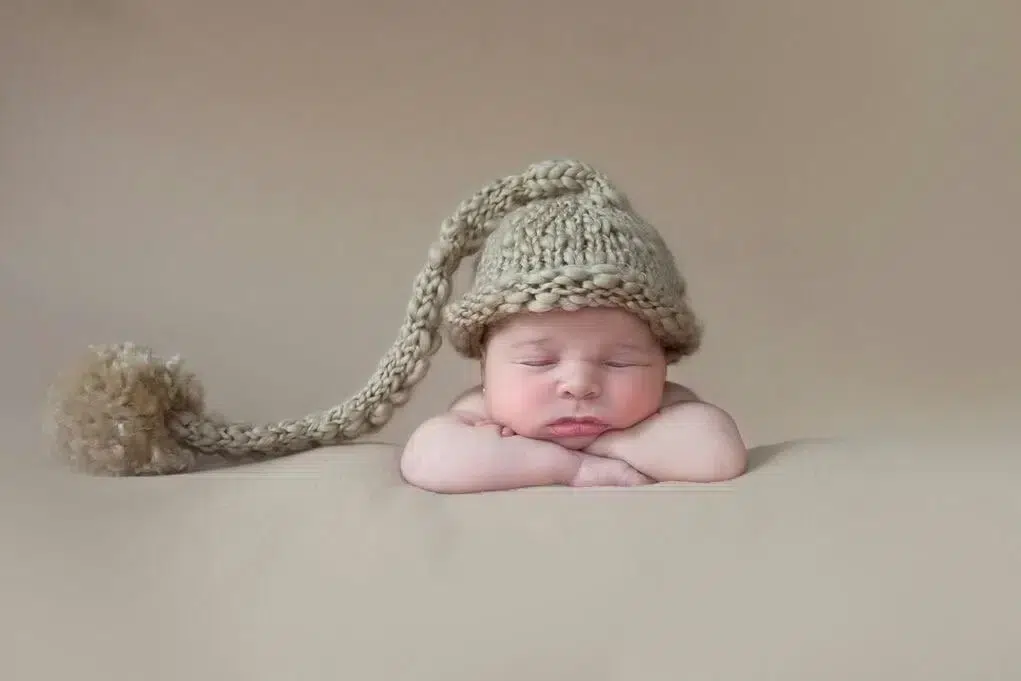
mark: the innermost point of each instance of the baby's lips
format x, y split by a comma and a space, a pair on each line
577, 429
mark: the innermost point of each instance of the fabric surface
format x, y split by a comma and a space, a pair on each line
828, 560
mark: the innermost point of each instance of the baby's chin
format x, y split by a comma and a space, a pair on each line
577, 442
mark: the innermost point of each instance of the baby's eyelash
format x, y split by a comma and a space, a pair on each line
609, 363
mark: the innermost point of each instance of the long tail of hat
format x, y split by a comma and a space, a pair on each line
122, 410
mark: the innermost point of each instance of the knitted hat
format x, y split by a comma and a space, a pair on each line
569, 252
557, 236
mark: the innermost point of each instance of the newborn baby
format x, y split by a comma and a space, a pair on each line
576, 398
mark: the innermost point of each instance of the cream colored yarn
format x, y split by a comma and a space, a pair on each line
559, 236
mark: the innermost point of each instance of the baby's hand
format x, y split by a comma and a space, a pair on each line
597, 471
503, 430
477, 420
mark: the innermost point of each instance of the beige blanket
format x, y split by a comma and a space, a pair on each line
865, 560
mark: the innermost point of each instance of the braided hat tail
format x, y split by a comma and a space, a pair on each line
122, 410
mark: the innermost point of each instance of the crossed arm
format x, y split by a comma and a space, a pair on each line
687, 440
449, 453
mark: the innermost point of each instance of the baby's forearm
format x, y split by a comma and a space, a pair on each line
447, 455
687, 442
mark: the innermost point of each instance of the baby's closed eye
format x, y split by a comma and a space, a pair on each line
538, 362
612, 363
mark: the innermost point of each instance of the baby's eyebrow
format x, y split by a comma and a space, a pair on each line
530, 341
543, 341
636, 347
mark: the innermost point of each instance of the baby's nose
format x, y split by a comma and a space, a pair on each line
580, 384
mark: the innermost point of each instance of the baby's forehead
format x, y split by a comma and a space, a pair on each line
584, 327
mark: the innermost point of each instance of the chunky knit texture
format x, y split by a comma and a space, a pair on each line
585, 250
558, 235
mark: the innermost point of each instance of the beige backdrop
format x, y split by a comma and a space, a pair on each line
255, 184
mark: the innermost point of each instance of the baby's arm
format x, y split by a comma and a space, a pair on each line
687, 441
463, 451
450, 454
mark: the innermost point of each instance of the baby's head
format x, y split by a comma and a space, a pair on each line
576, 309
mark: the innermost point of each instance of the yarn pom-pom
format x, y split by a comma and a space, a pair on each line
110, 414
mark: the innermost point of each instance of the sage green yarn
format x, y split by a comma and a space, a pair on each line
567, 252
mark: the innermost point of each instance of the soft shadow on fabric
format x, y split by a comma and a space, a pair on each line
762, 455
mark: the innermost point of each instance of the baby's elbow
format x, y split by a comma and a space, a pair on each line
419, 465
431, 459
728, 462
423, 472
715, 463
724, 454
412, 468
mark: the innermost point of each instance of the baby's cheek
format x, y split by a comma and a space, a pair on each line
515, 409
637, 399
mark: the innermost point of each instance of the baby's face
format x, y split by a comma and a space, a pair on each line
599, 364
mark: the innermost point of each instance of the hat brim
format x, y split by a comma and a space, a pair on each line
668, 313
